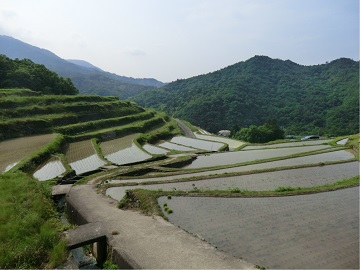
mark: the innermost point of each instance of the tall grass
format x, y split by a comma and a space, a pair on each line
29, 227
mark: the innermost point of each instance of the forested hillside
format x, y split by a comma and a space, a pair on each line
303, 99
87, 78
26, 74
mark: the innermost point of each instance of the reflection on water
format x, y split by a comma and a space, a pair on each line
227, 158
88, 164
128, 155
50, 170
318, 231
196, 143
9, 167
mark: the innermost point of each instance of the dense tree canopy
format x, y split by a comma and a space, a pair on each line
303, 99
26, 74
270, 131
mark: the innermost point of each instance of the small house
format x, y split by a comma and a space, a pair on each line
225, 133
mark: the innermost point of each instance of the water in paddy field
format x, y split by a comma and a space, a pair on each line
317, 231
128, 155
196, 143
226, 158
50, 170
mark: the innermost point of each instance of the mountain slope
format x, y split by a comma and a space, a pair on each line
122, 86
303, 99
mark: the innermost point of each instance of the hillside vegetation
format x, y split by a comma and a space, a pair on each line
86, 77
303, 99
27, 74
30, 227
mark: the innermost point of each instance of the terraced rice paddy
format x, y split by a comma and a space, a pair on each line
227, 158
334, 156
233, 144
290, 144
303, 177
177, 147
199, 144
128, 155
123, 151
50, 170
113, 146
82, 157
319, 231
13, 151
152, 149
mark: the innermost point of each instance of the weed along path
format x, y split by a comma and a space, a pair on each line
318, 231
148, 242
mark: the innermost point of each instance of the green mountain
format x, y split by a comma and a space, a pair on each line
303, 99
26, 74
82, 75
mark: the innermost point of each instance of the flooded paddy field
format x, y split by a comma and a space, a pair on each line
303, 177
318, 231
227, 158
82, 157
128, 155
197, 143
112, 146
290, 144
233, 144
123, 150
311, 159
51, 169
13, 151
152, 149
177, 147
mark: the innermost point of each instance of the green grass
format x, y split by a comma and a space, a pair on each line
30, 229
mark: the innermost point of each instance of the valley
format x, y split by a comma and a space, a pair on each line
167, 193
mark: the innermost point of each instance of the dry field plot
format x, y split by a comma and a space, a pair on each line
13, 151
319, 231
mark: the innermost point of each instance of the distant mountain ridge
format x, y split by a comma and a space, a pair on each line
83, 63
320, 99
80, 72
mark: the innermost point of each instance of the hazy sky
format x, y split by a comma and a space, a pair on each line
174, 39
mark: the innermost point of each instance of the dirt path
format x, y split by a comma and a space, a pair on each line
187, 131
